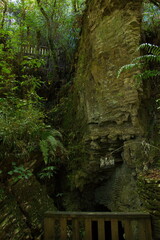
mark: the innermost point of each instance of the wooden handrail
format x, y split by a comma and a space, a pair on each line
34, 50
82, 225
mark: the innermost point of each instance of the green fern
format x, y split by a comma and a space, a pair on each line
150, 48
51, 145
44, 149
47, 172
146, 59
127, 67
142, 62
148, 74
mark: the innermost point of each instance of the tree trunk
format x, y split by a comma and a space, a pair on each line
5, 2
49, 24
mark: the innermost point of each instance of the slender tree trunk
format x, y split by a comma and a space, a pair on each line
38, 38
22, 22
28, 32
5, 3
75, 5
49, 24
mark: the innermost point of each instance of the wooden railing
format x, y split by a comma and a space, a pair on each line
97, 226
34, 50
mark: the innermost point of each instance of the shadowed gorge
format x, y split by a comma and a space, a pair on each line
79, 124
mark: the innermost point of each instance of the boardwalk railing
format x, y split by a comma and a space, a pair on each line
34, 50
97, 226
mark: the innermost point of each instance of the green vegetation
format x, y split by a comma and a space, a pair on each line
19, 172
147, 63
25, 133
151, 17
143, 62
51, 24
47, 172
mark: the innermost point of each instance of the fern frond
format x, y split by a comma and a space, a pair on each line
127, 67
51, 132
150, 48
56, 133
52, 141
44, 149
52, 155
146, 59
148, 74
50, 145
50, 168
55, 144
47, 172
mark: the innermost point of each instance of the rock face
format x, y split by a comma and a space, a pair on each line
120, 191
110, 105
109, 109
149, 187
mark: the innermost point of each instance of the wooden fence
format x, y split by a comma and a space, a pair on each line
34, 50
97, 226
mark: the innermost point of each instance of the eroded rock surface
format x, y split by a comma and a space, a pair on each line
122, 196
110, 110
110, 105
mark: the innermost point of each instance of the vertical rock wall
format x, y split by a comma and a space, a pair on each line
110, 110
109, 40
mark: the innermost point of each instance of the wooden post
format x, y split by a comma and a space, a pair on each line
88, 229
49, 229
114, 229
63, 228
128, 230
149, 230
101, 229
76, 229
145, 229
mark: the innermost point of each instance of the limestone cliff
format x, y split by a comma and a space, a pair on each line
110, 105
110, 110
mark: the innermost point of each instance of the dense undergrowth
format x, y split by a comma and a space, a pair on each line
24, 133
28, 81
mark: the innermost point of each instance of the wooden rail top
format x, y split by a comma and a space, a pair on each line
117, 215
97, 226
